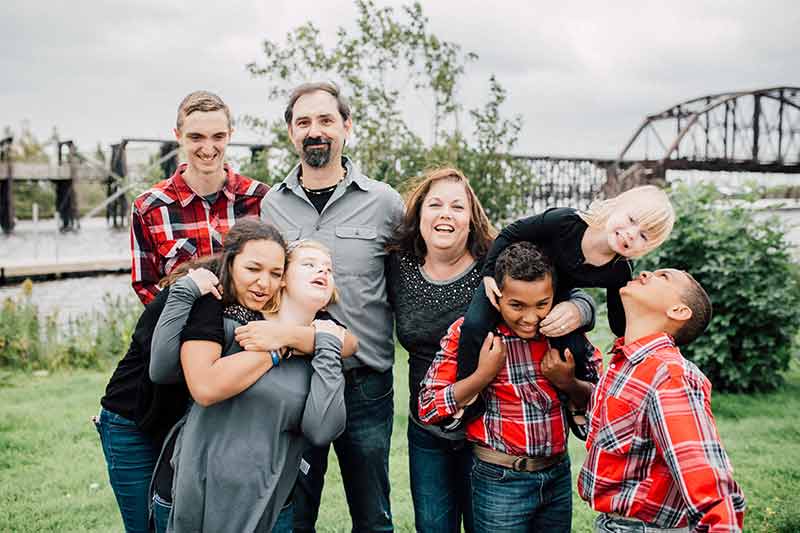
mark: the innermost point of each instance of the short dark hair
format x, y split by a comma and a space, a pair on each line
523, 261
307, 88
696, 298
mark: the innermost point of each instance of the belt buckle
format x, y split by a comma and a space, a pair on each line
520, 464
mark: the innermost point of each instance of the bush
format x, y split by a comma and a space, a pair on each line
29, 342
746, 268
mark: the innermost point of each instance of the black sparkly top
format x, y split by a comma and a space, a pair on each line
241, 314
424, 309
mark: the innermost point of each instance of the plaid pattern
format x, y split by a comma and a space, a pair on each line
654, 453
170, 224
523, 413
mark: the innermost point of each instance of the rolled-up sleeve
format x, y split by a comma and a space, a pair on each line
436, 396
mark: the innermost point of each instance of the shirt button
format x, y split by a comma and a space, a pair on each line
612, 365
316, 227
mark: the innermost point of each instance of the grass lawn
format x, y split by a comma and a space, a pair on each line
53, 478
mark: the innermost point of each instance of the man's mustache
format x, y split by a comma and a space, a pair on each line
308, 141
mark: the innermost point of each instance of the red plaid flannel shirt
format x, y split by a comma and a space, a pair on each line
654, 453
523, 413
170, 224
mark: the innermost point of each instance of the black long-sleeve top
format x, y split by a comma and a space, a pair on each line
559, 231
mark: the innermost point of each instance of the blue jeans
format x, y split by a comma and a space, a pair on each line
130, 457
363, 453
161, 510
505, 500
440, 481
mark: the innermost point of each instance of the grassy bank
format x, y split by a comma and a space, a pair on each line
52, 474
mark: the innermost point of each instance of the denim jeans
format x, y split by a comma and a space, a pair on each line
130, 457
161, 510
440, 481
505, 500
605, 523
285, 519
363, 453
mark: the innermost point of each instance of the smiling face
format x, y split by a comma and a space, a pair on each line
525, 303
626, 236
204, 136
444, 219
317, 129
257, 272
309, 277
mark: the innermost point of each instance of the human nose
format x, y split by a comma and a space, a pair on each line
645, 275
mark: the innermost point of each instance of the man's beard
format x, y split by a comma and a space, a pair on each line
316, 157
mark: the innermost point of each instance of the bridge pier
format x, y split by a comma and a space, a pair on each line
6, 189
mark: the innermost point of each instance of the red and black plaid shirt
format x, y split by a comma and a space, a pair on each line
171, 224
654, 453
523, 413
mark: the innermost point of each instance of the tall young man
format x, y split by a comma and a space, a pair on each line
655, 461
327, 198
186, 215
521, 476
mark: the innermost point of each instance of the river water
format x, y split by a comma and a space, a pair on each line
35, 242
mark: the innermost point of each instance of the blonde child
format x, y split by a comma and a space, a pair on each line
591, 248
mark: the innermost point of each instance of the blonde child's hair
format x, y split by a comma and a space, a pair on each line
291, 253
656, 214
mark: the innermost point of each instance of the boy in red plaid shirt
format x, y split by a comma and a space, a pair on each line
521, 475
187, 215
655, 461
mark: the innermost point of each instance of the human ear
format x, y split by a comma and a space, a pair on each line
177, 133
679, 312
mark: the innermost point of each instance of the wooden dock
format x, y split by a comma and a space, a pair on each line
12, 272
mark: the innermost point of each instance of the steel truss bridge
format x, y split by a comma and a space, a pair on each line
744, 131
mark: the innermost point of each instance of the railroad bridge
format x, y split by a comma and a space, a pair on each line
744, 131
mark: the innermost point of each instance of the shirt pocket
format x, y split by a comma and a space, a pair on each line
176, 251
357, 250
618, 422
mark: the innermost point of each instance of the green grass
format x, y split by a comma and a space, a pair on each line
53, 478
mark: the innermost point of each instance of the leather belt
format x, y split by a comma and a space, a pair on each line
518, 463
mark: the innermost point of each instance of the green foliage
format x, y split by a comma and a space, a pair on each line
29, 341
746, 268
388, 60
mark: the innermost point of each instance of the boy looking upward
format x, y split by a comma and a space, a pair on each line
655, 460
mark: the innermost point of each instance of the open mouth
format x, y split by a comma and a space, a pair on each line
444, 228
320, 282
258, 295
206, 157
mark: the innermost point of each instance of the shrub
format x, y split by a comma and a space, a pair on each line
30, 342
746, 268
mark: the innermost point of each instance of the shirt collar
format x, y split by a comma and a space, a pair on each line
637, 350
354, 175
185, 194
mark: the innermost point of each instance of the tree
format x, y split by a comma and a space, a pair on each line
388, 59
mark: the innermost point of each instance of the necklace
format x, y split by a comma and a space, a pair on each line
318, 192
324, 190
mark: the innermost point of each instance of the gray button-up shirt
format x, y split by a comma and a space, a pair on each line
356, 224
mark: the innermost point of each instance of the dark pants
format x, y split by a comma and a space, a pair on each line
363, 453
440, 481
606, 523
131, 457
504, 500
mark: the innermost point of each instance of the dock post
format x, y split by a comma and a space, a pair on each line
6, 186
117, 210
170, 165
65, 189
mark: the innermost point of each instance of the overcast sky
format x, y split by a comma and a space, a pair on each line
582, 74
